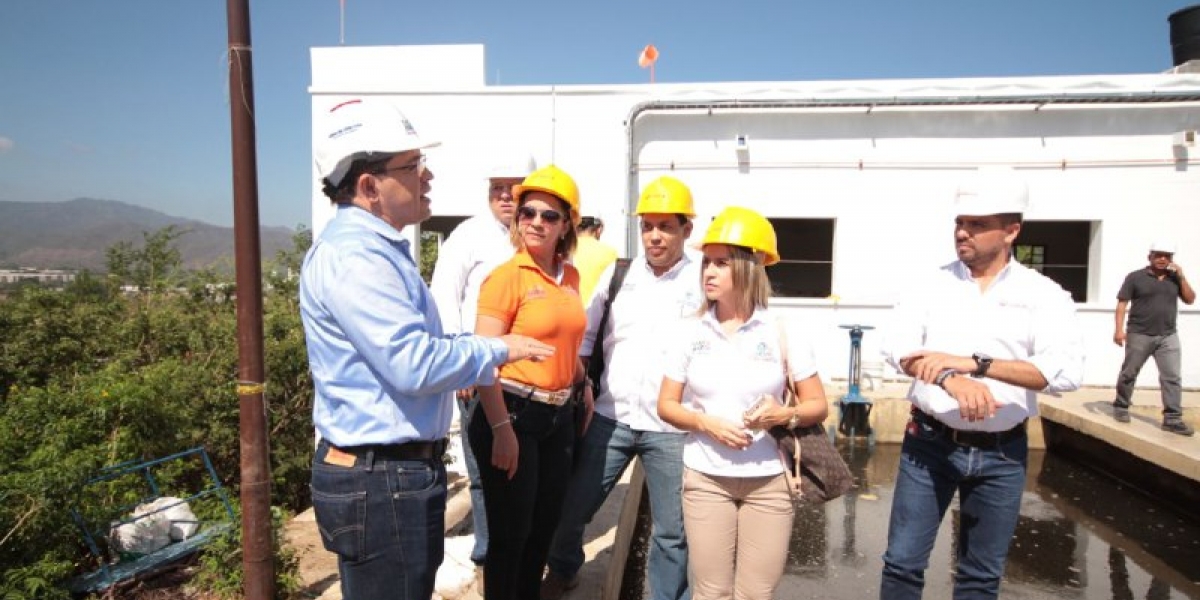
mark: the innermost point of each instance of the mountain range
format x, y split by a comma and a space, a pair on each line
76, 233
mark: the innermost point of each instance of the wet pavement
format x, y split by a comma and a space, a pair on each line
1080, 535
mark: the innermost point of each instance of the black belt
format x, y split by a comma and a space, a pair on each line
419, 450
974, 439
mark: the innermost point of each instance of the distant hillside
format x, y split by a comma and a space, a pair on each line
75, 234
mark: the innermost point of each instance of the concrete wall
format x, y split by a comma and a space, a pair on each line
885, 173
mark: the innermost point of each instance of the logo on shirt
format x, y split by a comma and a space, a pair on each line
701, 347
535, 292
764, 353
689, 304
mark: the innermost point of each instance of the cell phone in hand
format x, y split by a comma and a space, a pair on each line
762, 402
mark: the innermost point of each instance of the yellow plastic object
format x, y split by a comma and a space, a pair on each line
740, 226
553, 181
666, 195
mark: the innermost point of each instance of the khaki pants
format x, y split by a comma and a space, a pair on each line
738, 530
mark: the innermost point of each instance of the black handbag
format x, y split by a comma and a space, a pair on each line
813, 467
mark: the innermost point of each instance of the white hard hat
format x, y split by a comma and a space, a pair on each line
358, 128
991, 191
513, 166
1163, 245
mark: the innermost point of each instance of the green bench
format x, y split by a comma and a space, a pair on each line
115, 566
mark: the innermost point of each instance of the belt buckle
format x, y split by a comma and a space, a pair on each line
954, 437
556, 398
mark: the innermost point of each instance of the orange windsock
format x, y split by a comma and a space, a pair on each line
648, 56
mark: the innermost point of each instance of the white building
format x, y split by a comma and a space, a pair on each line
857, 176
57, 277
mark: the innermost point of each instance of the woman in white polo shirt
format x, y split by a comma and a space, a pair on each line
737, 509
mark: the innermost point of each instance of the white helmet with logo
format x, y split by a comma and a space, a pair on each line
357, 129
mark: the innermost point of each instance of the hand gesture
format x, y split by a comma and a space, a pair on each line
521, 347
975, 400
588, 408
725, 432
926, 365
505, 450
765, 414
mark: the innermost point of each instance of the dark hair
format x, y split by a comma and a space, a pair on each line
590, 223
343, 192
1011, 218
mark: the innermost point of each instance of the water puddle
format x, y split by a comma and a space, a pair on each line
1080, 536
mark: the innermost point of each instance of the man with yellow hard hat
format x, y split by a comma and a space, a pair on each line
650, 294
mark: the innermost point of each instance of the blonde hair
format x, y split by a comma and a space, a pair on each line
750, 281
566, 245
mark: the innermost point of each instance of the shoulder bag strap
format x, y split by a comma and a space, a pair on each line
596, 361
792, 398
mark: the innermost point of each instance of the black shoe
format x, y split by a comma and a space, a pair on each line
554, 586
1121, 415
1178, 428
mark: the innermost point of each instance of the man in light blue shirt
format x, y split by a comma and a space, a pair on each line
384, 375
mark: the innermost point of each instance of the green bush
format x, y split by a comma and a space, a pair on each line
137, 365
220, 572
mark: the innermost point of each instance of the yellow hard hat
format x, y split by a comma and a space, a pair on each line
553, 181
740, 226
666, 195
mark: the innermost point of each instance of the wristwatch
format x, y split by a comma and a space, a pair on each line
941, 378
794, 420
983, 362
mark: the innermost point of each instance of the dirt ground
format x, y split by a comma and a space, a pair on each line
318, 567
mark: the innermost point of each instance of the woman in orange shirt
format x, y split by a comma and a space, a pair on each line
524, 444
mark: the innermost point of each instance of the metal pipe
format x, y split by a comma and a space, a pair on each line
257, 552
1036, 102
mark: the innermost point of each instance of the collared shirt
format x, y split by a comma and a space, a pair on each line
532, 303
724, 376
1155, 302
382, 371
644, 315
1023, 315
472, 250
591, 258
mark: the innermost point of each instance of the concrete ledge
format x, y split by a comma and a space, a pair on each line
1139, 454
1142, 437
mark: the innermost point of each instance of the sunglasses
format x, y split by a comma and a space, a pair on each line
527, 213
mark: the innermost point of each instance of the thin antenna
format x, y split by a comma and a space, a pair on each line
553, 122
342, 22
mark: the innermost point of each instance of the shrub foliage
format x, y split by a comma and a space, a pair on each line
133, 365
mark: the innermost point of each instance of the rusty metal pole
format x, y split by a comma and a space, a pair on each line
257, 553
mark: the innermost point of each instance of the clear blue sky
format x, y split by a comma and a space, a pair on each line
126, 99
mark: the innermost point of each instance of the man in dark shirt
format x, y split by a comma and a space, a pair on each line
1155, 291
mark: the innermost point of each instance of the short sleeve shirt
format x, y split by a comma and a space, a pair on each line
724, 376
531, 303
1154, 302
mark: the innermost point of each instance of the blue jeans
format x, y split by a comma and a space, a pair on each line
989, 482
606, 451
385, 521
1167, 354
478, 510
523, 511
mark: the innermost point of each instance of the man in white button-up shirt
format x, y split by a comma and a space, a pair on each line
980, 338
473, 249
662, 286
